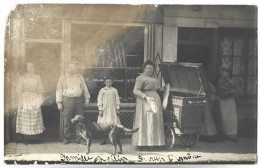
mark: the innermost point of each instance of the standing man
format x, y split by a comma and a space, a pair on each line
71, 96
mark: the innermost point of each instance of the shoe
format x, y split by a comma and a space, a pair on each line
26, 142
66, 141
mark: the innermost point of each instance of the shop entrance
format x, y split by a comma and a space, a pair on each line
195, 45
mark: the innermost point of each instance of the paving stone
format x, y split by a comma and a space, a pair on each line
22, 151
247, 145
12, 151
21, 146
40, 147
11, 145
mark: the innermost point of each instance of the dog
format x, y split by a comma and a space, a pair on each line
88, 130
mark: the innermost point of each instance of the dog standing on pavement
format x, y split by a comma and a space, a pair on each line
88, 130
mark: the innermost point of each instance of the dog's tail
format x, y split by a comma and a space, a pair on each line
127, 131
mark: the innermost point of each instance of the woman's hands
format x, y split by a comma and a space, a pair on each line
60, 107
148, 99
117, 112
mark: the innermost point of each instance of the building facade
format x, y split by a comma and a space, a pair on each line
117, 39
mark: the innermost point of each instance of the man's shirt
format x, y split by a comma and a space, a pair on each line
71, 86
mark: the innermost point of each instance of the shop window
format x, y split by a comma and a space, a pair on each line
238, 54
252, 68
109, 50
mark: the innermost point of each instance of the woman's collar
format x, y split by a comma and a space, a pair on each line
153, 76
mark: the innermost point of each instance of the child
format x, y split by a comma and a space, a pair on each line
108, 104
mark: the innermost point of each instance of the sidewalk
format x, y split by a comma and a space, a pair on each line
217, 152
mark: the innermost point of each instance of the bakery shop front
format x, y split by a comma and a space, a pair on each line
116, 40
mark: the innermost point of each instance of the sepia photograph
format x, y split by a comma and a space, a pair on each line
130, 84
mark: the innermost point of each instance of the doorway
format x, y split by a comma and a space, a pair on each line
195, 45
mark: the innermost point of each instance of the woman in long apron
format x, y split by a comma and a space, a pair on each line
148, 114
29, 122
227, 104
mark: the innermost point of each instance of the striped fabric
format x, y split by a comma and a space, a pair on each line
29, 116
29, 122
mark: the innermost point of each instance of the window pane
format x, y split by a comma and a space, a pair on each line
252, 86
239, 84
42, 28
226, 62
252, 66
238, 47
252, 47
107, 45
226, 46
238, 66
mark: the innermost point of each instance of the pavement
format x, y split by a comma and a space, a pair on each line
225, 151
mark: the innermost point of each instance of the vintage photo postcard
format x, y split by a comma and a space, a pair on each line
135, 84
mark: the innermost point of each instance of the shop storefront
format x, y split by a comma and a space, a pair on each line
117, 39
106, 40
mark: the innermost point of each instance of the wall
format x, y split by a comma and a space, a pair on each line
210, 16
207, 17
